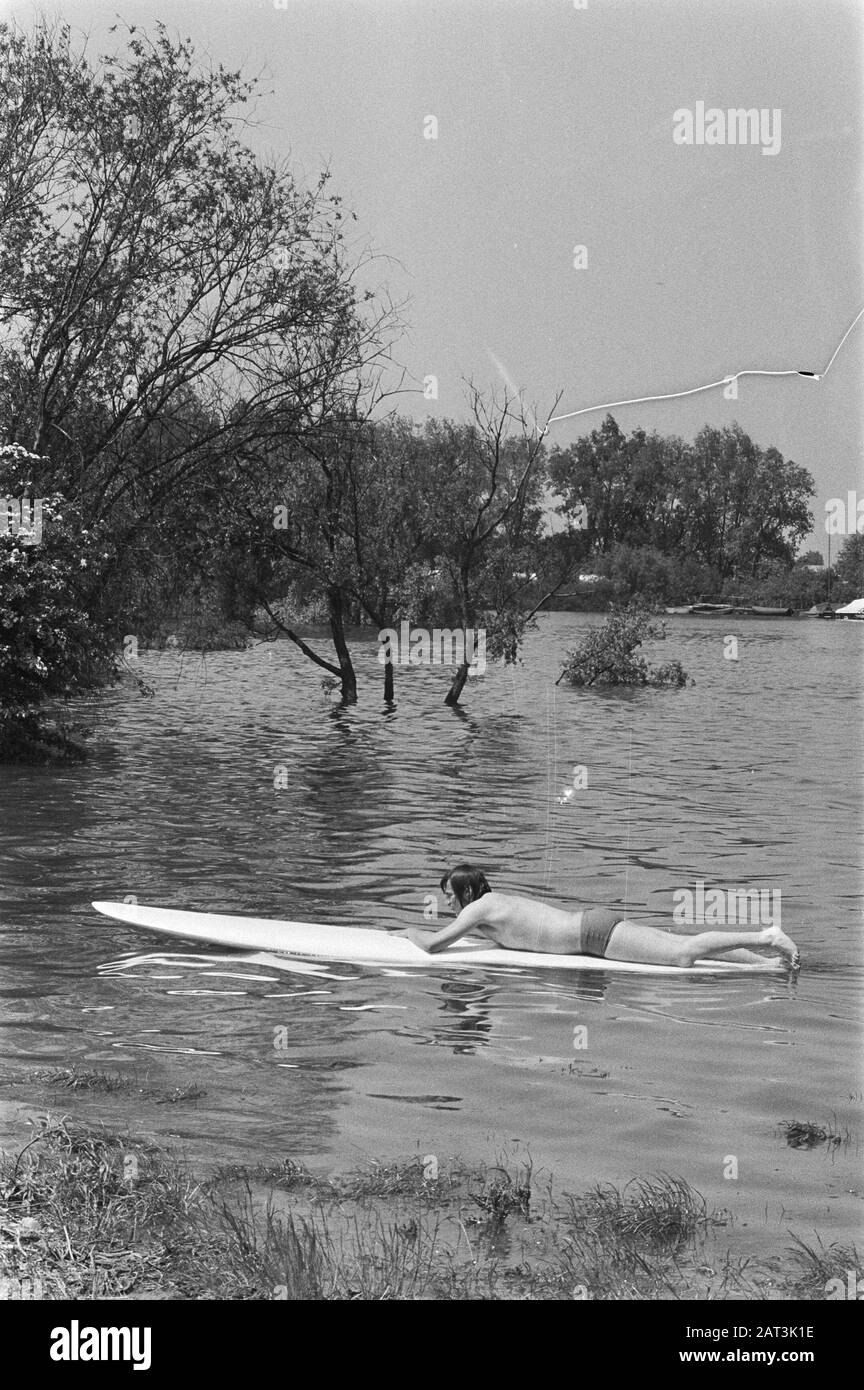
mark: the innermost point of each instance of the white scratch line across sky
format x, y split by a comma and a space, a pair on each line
709, 386
502, 371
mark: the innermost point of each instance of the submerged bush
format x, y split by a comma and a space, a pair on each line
670, 673
608, 655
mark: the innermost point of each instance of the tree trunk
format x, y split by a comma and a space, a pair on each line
337, 628
452, 696
388, 683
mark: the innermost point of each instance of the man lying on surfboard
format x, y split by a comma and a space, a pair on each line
521, 924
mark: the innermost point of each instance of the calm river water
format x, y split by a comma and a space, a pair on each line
749, 778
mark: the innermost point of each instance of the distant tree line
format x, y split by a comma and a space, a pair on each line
674, 522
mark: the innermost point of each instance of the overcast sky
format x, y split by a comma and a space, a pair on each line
555, 130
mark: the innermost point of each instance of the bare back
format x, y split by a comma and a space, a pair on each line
522, 924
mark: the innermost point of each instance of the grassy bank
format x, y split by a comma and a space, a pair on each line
88, 1213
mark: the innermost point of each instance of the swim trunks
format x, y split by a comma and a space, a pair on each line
597, 926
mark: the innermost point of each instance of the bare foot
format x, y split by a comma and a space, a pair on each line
748, 957
773, 936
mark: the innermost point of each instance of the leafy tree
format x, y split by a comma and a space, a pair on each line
742, 505
460, 540
850, 564
321, 524
592, 479
657, 577
722, 502
168, 301
49, 647
482, 496
377, 516
312, 525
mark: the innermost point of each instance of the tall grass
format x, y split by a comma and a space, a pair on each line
94, 1214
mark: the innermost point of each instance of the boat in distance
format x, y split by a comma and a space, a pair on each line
719, 610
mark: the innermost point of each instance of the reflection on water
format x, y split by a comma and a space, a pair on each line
466, 1021
746, 779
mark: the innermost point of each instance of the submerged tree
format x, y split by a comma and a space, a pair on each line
436, 525
609, 655
483, 497
299, 507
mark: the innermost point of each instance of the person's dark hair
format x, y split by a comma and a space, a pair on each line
463, 877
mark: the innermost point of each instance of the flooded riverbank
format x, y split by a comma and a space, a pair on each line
748, 778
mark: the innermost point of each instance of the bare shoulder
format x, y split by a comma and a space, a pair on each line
496, 906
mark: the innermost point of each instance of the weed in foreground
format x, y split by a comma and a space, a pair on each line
105, 1083
803, 1134
662, 1213
74, 1080
820, 1264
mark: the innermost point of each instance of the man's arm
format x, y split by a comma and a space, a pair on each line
470, 917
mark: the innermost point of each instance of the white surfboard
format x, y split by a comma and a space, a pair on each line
360, 946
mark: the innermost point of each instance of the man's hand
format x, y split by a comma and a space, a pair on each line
420, 938
439, 938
